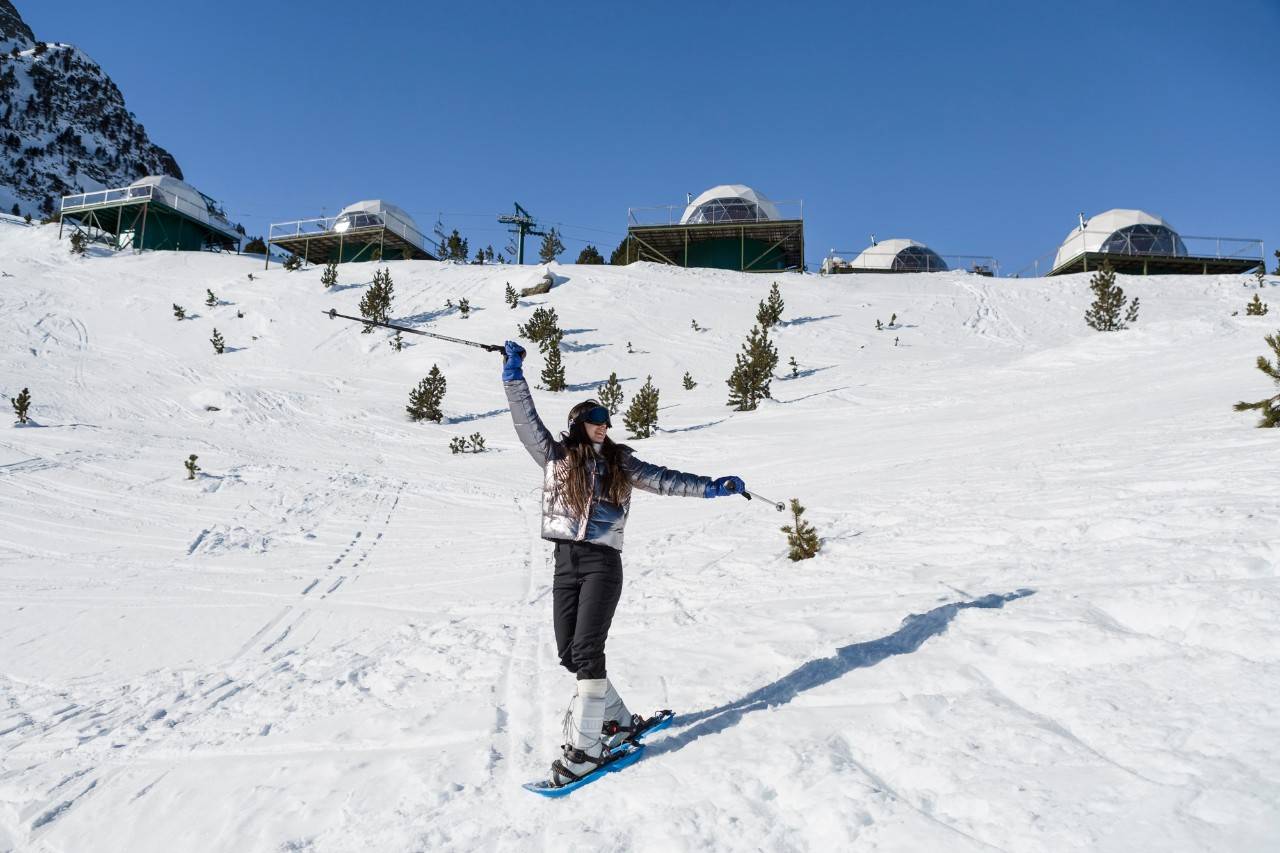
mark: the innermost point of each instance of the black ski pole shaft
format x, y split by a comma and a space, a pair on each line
333, 313
776, 504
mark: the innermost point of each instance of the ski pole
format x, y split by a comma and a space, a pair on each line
333, 313
776, 504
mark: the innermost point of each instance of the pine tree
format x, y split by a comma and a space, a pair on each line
77, 243
477, 442
619, 257
1108, 303
795, 368
1271, 406
551, 246
218, 344
191, 466
879, 325
510, 296
457, 444
397, 342
455, 247
688, 382
425, 400
801, 535
292, 263
1277, 272
893, 320
553, 370
21, 404
179, 311
1256, 308
696, 327
610, 394
753, 373
376, 303
330, 275
255, 246
769, 314
464, 307
641, 417
542, 325
210, 300
590, 255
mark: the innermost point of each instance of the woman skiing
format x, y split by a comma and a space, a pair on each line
586, 495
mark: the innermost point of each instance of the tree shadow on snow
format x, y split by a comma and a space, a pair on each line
475, 416
592, 386
910, 636
800, 321
801, 374
338, 288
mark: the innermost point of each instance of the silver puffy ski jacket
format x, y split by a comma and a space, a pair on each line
603, 522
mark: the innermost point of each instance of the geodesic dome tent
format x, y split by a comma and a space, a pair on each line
375, 212
367, 230
154, 212
1120, 232
898, 255
729, 203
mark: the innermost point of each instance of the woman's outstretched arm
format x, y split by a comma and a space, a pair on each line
533, 433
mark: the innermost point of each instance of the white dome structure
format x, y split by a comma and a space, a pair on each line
1122, 232
375, 212
729, 203
898, 255
185, 199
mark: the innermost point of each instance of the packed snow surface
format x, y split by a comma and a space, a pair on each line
1043, 617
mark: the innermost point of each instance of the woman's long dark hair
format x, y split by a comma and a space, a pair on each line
574, 479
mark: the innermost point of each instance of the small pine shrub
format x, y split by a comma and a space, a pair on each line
553, 370
510, 296
688, 382
893, 320
179, 311
255, 246
477, 442
543, 325
753, 372
210, 300
397, 342
191, 466
77, 243
21, 405
464, 307
375, 305
425, 399
1109, 303
696, 327
239, 314
641, 417
769, 314
795, 368
218, 344
329, 277
458, 444
1256, 308
471, 444
801, 535
1269, 407
293, 263
610, 394
879, 325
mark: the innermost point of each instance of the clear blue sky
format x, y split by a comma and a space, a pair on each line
974, 127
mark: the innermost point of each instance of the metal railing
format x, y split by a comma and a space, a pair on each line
980, 264
150, 192
1222, 248
670, 214
323, 226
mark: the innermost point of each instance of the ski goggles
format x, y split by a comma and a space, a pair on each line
596, 415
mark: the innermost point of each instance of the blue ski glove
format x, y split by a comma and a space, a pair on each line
512, 368
725, 486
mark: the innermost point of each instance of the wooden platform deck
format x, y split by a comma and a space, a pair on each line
669, 244
1157, 264
354, 244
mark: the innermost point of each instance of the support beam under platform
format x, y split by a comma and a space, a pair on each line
1157, 264
353, 244
743, 246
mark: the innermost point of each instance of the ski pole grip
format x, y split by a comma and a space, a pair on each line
733, 488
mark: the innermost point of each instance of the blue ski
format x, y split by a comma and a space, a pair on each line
624, 755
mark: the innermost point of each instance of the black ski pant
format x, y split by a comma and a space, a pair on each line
588, 583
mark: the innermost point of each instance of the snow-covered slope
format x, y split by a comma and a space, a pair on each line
1043, 617
64, 126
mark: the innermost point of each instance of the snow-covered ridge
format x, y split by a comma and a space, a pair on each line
1042, 618
64, 126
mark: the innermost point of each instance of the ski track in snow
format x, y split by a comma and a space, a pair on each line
1042, 618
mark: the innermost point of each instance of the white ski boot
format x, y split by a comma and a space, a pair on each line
618, 722
584, 748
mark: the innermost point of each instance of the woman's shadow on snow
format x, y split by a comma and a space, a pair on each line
910, 636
